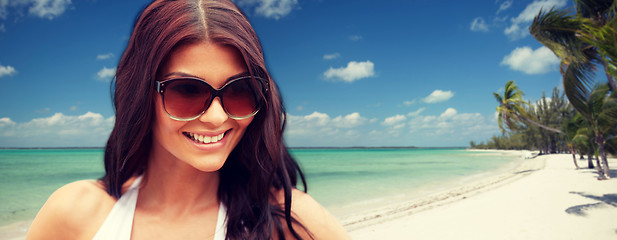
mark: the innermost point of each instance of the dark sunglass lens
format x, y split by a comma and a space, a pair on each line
186, 98
240, 99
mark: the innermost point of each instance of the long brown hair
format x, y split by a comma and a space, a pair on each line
259, 164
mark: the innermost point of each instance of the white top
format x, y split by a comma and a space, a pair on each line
119, 222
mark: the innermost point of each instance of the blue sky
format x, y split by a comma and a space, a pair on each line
352, 72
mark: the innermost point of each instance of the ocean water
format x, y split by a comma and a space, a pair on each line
350, 181
29, 176
343, 180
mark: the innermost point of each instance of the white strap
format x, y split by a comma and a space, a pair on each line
221, 223
119, 222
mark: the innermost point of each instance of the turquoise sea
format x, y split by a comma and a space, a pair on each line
345, 181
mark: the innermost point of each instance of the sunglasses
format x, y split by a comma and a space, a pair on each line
187, 98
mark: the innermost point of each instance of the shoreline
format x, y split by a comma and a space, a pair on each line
448, 192
369, 207
15, 231
542, 198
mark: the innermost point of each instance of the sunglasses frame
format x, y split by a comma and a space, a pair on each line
161, 85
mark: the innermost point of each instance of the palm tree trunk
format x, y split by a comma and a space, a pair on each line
538, 124
599, 167
590, 161
605, 171
574, 157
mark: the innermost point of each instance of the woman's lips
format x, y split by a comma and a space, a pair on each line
204, 139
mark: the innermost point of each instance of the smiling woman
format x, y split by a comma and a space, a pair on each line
196, 150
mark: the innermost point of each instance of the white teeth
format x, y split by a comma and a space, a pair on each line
206, 139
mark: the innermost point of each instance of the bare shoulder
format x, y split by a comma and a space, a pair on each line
72, 212
314, 217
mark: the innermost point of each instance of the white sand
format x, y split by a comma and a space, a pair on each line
546, 198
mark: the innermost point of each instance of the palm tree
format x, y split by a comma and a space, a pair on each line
571, 129
580, 41
582, 138
599, 109
512, 111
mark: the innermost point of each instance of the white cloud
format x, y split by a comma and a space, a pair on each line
394, 120
416, 113
7, 71
524, 59
395, 124
438, 96
353, 72
4, 12
331, 56
515, 32
104, 56
409, 103
348, 121
59, 130
275, 9
449, 113
317, 119
448, 128
504, 6
2, 28
456, 126
520, 24
319, 129
479, 25
48, 8
106, 74
500, 20
4, 122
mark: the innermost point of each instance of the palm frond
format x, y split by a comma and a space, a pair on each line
604, 39
581, 139
608, 114
500, 122
557, 30
577, 82
593, 8
498, 98
597, 98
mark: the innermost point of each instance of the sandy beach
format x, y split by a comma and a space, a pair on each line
542, 198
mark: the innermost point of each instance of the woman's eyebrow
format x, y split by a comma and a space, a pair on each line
180, 74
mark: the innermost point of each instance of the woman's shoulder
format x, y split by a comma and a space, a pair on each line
313, 216
74, 210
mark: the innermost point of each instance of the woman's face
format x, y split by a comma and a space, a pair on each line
215, 64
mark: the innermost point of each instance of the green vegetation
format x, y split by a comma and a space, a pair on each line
530, 126
585, 123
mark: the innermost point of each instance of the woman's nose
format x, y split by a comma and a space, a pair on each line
215, 114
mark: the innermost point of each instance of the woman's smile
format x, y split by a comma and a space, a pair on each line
204, 138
